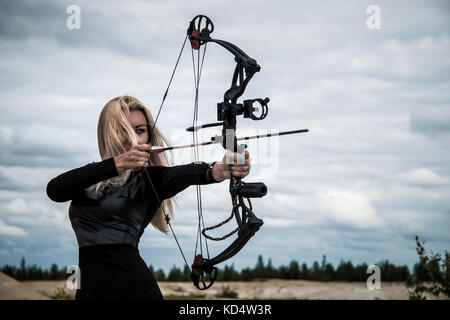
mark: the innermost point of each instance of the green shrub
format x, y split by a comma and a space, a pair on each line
431, 274
226, 292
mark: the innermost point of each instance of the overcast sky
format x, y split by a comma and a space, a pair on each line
373, 172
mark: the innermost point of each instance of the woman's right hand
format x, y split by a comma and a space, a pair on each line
136, 158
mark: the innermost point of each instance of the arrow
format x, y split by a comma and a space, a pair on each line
217, 139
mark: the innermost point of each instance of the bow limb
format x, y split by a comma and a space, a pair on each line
248, 225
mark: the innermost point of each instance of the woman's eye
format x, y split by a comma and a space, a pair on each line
140, 131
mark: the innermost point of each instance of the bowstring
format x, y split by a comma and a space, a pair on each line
201, 223
167, 217
168, 86
197, 75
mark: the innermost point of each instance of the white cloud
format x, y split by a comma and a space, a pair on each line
17, 206
349, 208
422, 58
422, 177
280, 223
5, 134
6, 230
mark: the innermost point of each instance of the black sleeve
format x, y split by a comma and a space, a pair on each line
71, 183
169, 181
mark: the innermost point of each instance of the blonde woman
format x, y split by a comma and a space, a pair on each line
112, 202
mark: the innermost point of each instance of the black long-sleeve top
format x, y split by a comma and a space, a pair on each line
121, 214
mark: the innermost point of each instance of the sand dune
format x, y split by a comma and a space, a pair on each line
11, 289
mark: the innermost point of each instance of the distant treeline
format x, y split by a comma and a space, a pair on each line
346, 271
34, 273
325, 271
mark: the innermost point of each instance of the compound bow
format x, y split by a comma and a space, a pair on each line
203, 268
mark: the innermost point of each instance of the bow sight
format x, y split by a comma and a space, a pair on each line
245, 108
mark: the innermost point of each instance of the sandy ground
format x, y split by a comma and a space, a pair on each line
268, 289
11, 289
295, 289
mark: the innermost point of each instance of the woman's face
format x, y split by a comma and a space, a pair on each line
139, 124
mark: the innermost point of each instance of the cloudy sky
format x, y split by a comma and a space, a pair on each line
373, 172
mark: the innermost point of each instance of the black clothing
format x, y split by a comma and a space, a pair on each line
115, 271
122, 214
110, 225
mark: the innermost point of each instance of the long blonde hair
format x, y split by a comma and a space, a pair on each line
113, 127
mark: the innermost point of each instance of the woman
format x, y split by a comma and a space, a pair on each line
114, 200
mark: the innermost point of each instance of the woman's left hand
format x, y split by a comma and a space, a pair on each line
234, 164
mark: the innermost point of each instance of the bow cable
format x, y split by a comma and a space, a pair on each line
168, 86
167, 217
197, 75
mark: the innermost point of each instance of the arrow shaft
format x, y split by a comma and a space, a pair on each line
156, 149
273, 134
